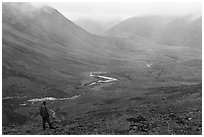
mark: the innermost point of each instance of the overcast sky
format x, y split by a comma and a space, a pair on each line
109, 11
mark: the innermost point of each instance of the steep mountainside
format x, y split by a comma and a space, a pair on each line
180, 31
42, 45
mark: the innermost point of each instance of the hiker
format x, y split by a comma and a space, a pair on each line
45, 116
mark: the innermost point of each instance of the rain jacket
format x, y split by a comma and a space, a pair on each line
43, 111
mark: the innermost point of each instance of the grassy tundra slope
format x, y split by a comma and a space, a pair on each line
46, 55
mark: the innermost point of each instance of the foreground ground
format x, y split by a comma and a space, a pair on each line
164, 110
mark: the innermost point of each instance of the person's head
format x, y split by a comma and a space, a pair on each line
44, 102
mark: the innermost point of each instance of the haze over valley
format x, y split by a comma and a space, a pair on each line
138, 75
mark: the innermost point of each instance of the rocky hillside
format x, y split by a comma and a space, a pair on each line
172, 110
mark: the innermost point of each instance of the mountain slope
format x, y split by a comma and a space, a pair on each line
42, 44
96, 27
180, 31
46, 55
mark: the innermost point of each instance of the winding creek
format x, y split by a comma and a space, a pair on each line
98, 75
100, 78
51, 99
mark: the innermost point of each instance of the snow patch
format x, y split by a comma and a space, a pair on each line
149, 65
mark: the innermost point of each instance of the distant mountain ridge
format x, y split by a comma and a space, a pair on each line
98, 27
168, 30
